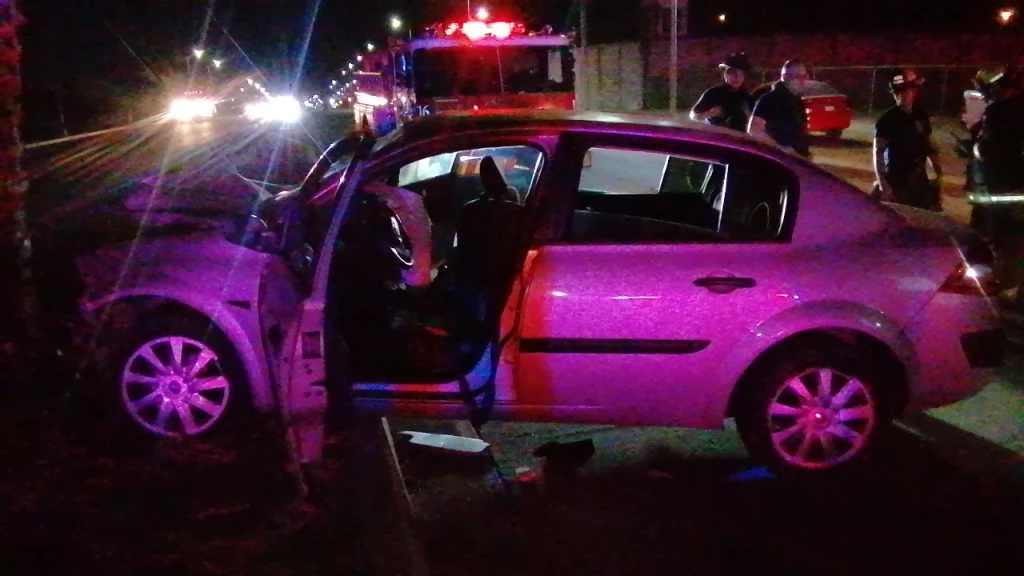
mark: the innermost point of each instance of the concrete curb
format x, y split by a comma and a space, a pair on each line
997, 467
45, 143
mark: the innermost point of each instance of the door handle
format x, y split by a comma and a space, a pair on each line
724, 284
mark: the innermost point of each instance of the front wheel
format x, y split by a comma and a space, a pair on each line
175, 380
813, 411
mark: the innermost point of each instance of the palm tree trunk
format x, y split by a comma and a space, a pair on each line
14, 235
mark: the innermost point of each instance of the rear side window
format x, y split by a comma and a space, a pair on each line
629, 195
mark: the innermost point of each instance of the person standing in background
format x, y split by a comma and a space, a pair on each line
903, 147
727, 104
779, 115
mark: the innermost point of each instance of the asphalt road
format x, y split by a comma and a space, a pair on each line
941, 498
89, 175
658, 501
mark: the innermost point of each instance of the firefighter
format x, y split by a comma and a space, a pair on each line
999, 140
998, 165
903, 147
727, 104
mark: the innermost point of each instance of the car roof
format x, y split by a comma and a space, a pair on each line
427, 127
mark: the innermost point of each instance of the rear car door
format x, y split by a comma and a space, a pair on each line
666, 253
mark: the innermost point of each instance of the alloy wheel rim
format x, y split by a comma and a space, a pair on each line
174, 386
821, 418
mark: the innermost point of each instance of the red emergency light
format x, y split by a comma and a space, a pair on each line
476, 29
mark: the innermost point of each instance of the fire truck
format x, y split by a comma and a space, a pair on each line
473, 65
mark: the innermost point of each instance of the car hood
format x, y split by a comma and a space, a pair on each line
203, 265
223, 197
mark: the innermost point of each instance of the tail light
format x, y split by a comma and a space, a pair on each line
975, 275
972, 279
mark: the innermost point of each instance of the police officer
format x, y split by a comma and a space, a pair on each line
780, 115
903, 146
727, 104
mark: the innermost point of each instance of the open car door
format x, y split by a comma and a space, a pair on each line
292, 296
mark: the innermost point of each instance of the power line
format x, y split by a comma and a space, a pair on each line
133, 53
239, 48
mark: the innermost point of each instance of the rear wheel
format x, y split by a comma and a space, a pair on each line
834, 133
813, 410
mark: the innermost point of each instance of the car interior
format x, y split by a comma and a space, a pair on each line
435, 333
687, 200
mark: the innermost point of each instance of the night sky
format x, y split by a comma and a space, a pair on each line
83, 49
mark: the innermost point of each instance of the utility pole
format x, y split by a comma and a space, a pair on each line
581, 62
13, 180
673, 71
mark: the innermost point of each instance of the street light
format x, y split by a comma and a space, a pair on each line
198, 52
722, 17
359, 58
1005, 15
351, 66
217, 63
370, 47
396, 23
482, 13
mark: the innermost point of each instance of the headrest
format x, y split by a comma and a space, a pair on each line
493, 181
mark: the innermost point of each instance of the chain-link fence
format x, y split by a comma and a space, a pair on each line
866, 87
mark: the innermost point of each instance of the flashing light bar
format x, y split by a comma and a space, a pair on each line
370, 99
475, 29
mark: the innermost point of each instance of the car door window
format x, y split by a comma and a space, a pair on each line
644, 196
426, 168
450, 180
518, 164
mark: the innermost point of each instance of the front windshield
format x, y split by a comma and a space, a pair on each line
474, 71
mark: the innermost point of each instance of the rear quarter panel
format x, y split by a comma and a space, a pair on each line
855, 264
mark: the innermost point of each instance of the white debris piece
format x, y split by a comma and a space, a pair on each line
447, 442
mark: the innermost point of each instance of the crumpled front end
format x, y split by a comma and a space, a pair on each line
202, 272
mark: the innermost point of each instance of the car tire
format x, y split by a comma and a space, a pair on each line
157, 396
788, 420
834, 133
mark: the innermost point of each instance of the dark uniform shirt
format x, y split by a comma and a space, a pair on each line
907, 135
1001, 144
735, 106
785, 118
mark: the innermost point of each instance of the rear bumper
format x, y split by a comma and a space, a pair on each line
959, 341
827, 124
985, 348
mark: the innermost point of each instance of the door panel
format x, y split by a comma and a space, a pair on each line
638, 330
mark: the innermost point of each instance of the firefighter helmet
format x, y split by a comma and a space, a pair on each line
989, 80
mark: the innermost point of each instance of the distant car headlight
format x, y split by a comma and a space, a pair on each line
275, 109
192, 108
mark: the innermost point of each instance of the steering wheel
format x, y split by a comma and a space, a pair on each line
398, 241
759, 221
